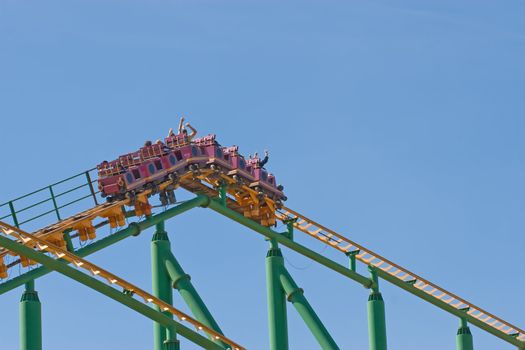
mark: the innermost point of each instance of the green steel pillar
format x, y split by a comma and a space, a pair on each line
289, 228
376, 316
182, 282
352, 260
85, 279
30, 319
69, 242
463, 336
277, 322
294, 294
171, 342
223, 194
161, 285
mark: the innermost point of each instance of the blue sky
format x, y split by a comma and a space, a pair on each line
397, 123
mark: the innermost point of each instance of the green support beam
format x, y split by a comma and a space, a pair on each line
277, 319
352, 260
127, 300
132, 230
181, 281
267, 232
161, 286
376, 316
463, 336
171, 342
30, 319
281, 288
223, 196
295, 295
409, 287
367, 283
136, 228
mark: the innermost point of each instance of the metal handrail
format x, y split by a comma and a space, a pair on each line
52, 198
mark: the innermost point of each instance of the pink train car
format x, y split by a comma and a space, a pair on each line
155, 163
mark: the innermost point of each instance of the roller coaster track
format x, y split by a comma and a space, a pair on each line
40, 244
115, 213
441, 296
243, 200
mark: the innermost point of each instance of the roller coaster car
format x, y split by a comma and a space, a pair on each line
176, 140
149, 173
109, 175
264, 180
210, 148
109, 168
130, 159
186, 151
193, 155
153, 151
109, 185
132, 178
238, 164
232, 155
151, 165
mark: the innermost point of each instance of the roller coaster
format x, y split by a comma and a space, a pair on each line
67, 235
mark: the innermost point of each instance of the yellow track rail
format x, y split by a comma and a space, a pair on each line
370, 258
246, 201
40, 244
114, 214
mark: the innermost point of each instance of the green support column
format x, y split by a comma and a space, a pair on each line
171, 342
464, 337
133, 229
289, 228
109, 291
69, 242
182, 282
352, 260
294, 294
277, 321
30, 319
282, 239
161, 285
223, 194
376, 316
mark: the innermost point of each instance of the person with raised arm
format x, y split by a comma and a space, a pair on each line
182, 130
181, 125
263, 162
193, 131
265, 159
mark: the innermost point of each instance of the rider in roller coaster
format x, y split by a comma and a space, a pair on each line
182, 130
263, 162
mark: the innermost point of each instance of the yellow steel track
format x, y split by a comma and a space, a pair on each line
370, 258
43, 245
248, 202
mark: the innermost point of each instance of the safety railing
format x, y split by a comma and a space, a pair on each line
51, 200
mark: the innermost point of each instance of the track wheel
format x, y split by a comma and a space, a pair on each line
171, 197
173, 178
163, 198
131, 196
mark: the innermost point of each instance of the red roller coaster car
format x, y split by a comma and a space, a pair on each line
155, 163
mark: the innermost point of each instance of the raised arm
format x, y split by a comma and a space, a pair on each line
265, 159
181, 125
193, 131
